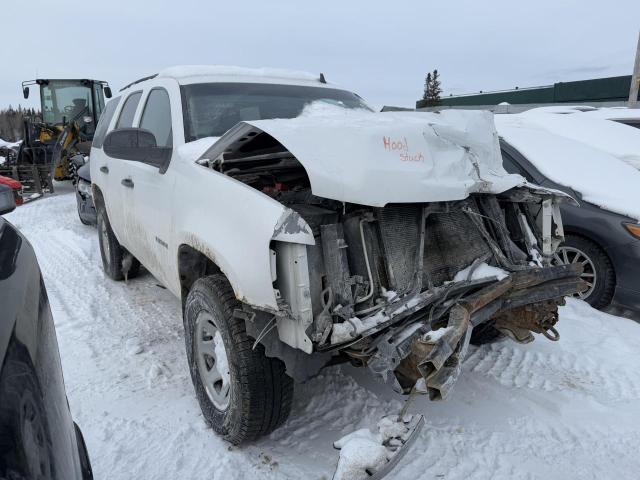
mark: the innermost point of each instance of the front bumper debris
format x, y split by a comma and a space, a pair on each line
438, 338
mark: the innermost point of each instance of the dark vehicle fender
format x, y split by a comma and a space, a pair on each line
26, 325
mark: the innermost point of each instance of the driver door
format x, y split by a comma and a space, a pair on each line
151, 188
118, 198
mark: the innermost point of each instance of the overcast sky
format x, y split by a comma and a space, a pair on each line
380, 49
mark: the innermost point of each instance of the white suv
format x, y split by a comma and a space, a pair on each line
317, 231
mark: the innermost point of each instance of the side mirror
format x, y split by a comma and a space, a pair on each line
7, 200
107, 91
138, 145
25, 92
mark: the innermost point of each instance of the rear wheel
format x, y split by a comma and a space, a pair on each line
116, 261
243, 394
598, 271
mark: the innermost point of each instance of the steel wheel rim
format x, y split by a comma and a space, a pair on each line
104, 236
568, 255
212, 361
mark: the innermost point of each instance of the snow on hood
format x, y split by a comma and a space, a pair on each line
374, 159
601, 178
616, 139
615, 113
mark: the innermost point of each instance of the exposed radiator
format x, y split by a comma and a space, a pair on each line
400, 229
452, 242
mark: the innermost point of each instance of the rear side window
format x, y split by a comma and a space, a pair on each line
103, 123
157, 117
129, 110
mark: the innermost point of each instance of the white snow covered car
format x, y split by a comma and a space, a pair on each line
299, 228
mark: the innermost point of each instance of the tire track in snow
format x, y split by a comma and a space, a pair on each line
513, 365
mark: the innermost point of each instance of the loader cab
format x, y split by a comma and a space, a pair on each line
64, 102
64, 128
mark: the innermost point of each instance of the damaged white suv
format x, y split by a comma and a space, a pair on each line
299, 228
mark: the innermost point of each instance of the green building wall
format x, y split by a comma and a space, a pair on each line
610, 89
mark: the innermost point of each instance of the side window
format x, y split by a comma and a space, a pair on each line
129, 110
103, 123
156, 117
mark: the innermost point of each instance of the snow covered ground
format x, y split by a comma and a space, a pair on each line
546, 410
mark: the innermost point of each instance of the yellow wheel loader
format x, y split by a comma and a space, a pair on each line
55, 143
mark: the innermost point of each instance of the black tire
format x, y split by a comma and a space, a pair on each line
485, 333
605, 282
260, 393
25, 439
111, 252
82, 220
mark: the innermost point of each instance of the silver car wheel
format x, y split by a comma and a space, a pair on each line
212, 361
567, 255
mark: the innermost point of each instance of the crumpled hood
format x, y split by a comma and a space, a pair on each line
379, 158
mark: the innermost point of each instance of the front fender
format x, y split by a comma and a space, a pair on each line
233, 225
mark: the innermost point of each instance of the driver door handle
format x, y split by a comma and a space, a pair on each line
104, 169
127, 182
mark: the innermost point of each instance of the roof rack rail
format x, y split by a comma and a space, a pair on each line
143, 79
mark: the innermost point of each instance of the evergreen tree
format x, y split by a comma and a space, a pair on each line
427, 86
432, 89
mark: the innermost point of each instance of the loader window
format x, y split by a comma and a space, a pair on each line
129, 110
65, 101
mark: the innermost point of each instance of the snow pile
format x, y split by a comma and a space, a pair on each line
616, 139
482, 270
363, 451
360, 451
561, 109
4, 143
4, 146
600, 178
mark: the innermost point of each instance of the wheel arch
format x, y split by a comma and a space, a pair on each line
192, 265
98, 197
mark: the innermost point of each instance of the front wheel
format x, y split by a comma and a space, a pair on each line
243, 394
598, 272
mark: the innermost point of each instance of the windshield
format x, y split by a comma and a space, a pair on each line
210, 109
64, 100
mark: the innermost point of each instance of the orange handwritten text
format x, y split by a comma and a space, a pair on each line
402, 147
